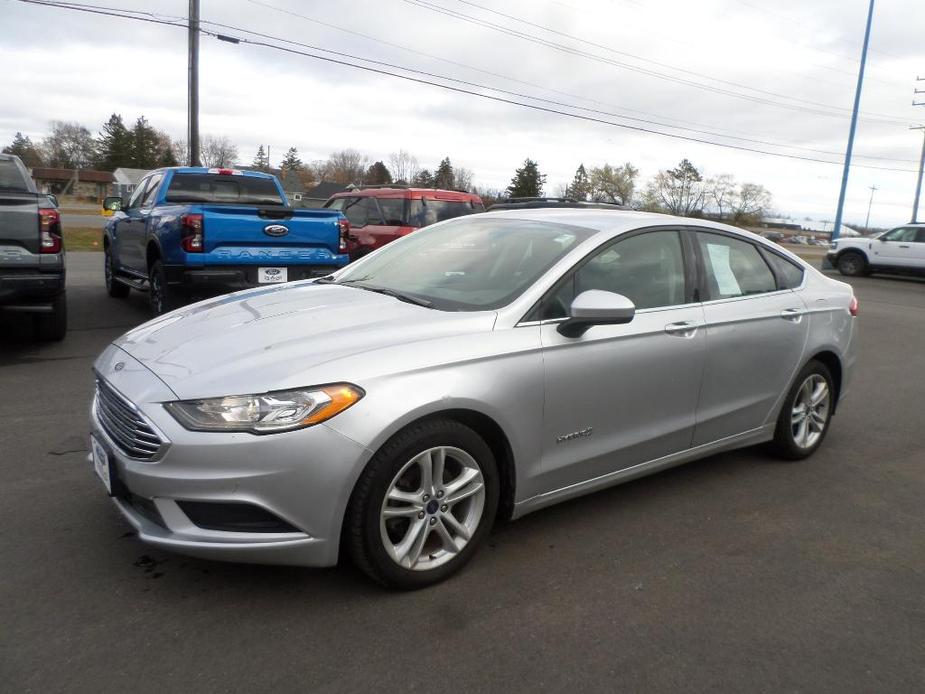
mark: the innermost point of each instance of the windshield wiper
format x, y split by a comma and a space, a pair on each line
407, 298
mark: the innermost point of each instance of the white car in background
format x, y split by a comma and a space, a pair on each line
898, 250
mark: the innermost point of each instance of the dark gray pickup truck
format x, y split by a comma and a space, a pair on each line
31, 252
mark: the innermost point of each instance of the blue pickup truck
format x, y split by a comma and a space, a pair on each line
188, 231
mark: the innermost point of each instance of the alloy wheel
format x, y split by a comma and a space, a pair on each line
432, 508
810, 412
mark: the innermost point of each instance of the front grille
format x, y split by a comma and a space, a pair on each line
125, 426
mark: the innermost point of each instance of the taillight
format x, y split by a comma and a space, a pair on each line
344, 227
191, 233
853, 306
49, 231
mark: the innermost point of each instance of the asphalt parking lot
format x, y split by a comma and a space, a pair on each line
736, 573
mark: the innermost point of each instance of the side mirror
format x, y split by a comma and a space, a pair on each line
596, 307
53, 198
113, 203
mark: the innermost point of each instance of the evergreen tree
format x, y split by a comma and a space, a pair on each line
580, 187
291, 161
444, 178
527, 181
378, 174
261, 159
424, 179
146, 150
114, 146
23, 148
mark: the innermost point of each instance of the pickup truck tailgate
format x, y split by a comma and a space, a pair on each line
19, 223
227, 227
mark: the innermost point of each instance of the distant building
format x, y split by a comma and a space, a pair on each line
317, 196
81, 183
125, 180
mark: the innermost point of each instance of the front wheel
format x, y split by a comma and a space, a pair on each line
114, 287
852, 264
424, 504
804, 419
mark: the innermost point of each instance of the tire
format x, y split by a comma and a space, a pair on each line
802, 425
852, 264
52, 327
405, 543
161, 297
114, 287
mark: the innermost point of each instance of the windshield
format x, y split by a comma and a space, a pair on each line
244, 190
431, 211
469, 264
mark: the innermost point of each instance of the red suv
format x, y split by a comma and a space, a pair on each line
380, 214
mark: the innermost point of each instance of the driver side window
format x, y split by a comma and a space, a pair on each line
903, 235
648, 269
135, 200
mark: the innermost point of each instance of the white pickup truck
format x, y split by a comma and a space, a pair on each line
900, 250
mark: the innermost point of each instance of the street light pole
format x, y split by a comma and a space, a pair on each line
869, 205
854, 125
193, 85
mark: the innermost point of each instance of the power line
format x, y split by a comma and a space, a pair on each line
419, 80
832, 111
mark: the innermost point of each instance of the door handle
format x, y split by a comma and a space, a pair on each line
682, 329
792, 314
902, 246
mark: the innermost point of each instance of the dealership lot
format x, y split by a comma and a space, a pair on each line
734, 573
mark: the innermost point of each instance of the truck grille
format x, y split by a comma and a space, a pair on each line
125, 425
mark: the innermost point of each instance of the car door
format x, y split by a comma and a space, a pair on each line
125, 249
918, 249
895, 248
137, 231
620, 395
756, 330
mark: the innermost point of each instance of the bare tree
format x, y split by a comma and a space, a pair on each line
721, 190
69, 146
751, 202
614, 184
678, 191
404, 166
462, 178
348, 166
218, 151
181, 152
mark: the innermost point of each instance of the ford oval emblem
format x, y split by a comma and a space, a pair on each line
275, 230
119, 365
272, 271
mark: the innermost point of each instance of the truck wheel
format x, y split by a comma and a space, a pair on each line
852, 264
114, 287
160, 296
52, 326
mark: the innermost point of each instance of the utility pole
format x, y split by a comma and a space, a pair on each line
918, 185
193, 97
854, 124
869, 205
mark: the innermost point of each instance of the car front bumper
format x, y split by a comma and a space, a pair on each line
302, 478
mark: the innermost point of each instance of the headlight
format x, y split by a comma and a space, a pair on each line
267, 413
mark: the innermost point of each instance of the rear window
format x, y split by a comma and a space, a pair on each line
11, 177
789, 276
244, 190
430, 211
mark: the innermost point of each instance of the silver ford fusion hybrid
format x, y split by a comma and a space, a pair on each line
486, 366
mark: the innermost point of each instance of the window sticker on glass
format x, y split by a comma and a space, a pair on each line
722, 270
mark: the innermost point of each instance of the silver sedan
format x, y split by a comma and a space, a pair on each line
486, 366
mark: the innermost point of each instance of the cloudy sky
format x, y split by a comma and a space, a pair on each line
770, 75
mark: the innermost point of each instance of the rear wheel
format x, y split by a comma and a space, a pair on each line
114, 287
52, 326
423, 505
804, 419
160, 296
852, 264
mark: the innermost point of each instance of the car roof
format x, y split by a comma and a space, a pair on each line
613, 222
207, 169
406, 192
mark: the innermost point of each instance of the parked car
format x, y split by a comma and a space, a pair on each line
775, 236
900, 250
489, 365
551, 203
380, 214
196, 230
32, 268
799, 240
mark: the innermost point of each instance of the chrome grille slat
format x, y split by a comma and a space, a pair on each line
125, 425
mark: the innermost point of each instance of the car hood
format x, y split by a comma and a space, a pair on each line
283, 337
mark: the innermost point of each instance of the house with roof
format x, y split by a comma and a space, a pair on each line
81, 183
319, 194
125, 179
